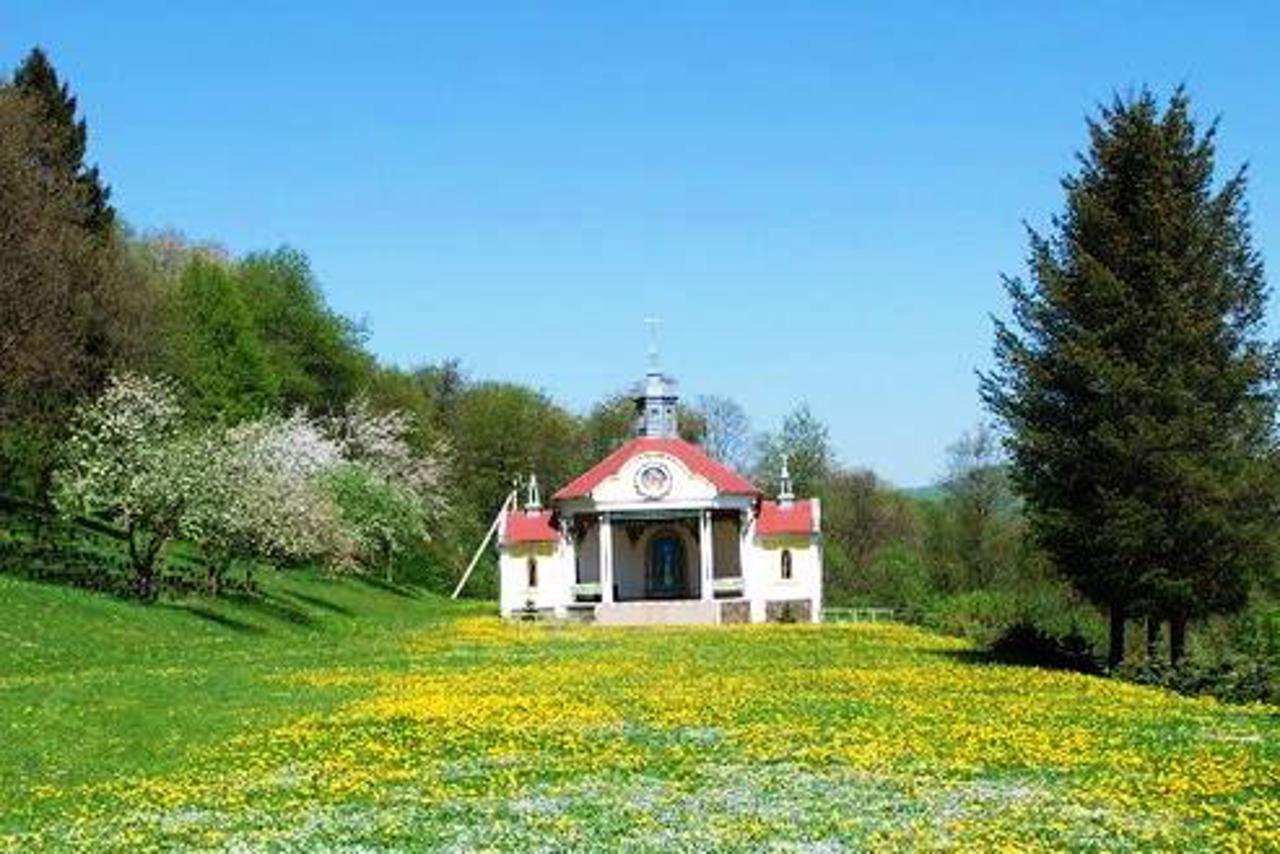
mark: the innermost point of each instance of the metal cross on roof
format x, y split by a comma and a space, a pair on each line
653, 323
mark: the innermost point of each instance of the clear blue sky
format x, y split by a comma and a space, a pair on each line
818, 198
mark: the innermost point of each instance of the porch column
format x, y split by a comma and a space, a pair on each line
606, 558
706, 543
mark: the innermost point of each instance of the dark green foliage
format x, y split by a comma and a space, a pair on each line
1028, 644
442, 387
503, 431
1138, 394
69, 310
1235, 658
245, 336
68, 137
897, 577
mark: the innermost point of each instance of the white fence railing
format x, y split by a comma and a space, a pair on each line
857, 615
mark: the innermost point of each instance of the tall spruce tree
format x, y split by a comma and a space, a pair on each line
72, 305
1138, 393
37, 79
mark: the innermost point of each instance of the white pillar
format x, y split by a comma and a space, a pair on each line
744, 527
751, 590
568, 562
707, 556
606, 558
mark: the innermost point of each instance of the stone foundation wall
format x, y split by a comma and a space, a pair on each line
788, 611
738, 611
580, 613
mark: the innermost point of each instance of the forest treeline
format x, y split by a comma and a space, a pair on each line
242, 353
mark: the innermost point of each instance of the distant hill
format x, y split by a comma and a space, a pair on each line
932, 492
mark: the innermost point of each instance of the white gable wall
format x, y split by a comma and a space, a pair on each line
687, 488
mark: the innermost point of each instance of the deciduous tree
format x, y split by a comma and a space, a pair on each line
806, 443
728, 431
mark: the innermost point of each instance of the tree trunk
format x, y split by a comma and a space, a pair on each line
43, 521
1153, 639
144, 564
1177, 639
215, 573
1115, 650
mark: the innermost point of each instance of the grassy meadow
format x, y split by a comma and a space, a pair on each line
346, 715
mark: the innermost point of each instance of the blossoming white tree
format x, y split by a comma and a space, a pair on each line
349, 491
128, 459
264, 496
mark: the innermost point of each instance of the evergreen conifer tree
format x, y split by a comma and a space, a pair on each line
1138, 393
37, 79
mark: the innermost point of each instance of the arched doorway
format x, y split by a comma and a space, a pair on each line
665, 575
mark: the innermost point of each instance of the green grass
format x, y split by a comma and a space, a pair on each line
349, 715
94, 687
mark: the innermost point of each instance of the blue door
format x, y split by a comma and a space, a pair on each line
666, 566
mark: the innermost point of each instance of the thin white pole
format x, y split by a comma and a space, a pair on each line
475, 558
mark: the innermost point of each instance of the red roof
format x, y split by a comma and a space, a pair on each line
530, 526
725, 479
774, 519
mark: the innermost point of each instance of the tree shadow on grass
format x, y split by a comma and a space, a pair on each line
271, 606
389, 586
988, 657
1027, 646
212, 616
321, 603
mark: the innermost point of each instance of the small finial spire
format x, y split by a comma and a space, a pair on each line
653, 323
533, 501
785, 495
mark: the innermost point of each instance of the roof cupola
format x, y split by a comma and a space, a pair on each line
656, 398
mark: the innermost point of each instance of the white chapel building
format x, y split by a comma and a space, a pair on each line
659, 532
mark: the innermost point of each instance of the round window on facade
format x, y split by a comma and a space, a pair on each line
653, 480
